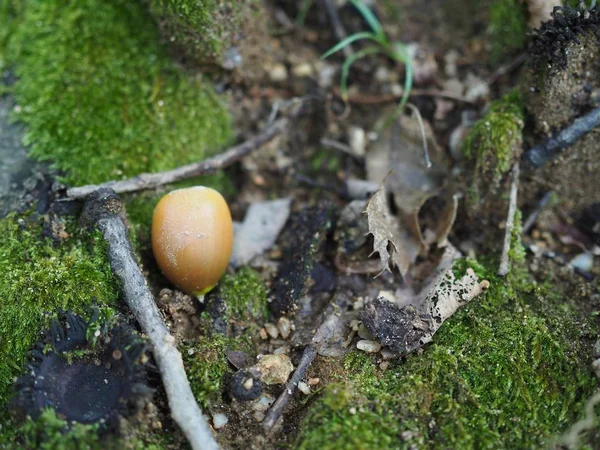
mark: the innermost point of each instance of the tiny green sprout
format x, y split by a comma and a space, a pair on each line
396, 50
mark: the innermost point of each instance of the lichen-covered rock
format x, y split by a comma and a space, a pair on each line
229, 34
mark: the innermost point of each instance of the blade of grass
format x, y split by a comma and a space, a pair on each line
368, 15
352, 38
371, 50
303, 12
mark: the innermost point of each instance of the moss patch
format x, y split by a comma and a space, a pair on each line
99, 96
37, 277
207, 366
509, 370
507, 28
49, 432
245, 295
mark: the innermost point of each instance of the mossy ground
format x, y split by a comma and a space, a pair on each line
507, 28
37, 277
245, 295
510, 370
99, 96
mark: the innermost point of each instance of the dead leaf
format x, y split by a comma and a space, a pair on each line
388, 233
258, 232
397, 160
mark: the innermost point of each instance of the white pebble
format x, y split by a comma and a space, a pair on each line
219, 420
368, 346
304, 388
285, 327
278, 73
271, 330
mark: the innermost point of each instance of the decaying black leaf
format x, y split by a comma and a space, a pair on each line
302, 240
405, 321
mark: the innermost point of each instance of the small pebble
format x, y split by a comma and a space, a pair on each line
357, 139
583, 261
263, 403
352, 410
278, 73
274, 369
219, 420
285, 327
383, 365
248, 383
313, 381
259, 416
368, 346
272, 330
304, 388
364, 333
302, 70
263, 334
281, 350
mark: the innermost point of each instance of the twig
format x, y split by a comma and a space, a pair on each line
277, 409
338, 27
544, 152
376, 99
210, 165
507, 68
104, 210
510, 221
541, 205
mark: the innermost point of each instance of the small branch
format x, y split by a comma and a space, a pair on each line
510, 221
104, 210
544, 152
277, 409
338, 27
541, 205
376, 99
153, 180
507, 68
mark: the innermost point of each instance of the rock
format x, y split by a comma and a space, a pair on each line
368, 346
278, 73
274, 369
219, 420
244, 386
271, 330
263, 403
304, 388
285, 327
357, 139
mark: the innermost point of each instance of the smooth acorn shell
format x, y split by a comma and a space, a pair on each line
192, 238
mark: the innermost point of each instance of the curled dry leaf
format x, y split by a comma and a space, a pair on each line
409, 321
397, 160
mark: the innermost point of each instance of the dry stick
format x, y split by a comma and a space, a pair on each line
510, 221
541, 205
277, 409
552, 147
338, 27
153, 180
104, 210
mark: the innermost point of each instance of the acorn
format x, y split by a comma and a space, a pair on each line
192, 238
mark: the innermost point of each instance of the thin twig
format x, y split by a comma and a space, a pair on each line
507, 68
210, 165
376, 99
277, 409
338, 27
422, 127
510, 221
104, 210
544, 152
541, 205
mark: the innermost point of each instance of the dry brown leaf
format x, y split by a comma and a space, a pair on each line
397, 160
389, 233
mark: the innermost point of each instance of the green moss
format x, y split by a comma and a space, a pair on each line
507, 28
49, 432
517, 253
203, 28
100, 97
245, 295
509, 370
342, 420
207, 366
37, 277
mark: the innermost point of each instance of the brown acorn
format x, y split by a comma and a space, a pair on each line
192, 238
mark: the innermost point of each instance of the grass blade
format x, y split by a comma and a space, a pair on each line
350, 39
371, 19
